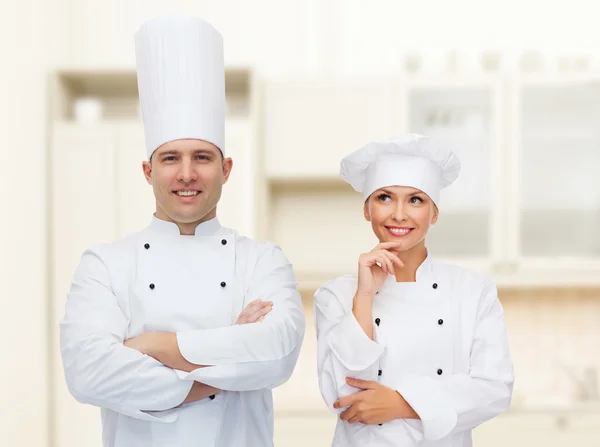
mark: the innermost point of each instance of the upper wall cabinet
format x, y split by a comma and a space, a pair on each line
467, 117
312, 124
556, 163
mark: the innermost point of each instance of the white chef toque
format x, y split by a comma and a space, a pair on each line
411, 160
181, 81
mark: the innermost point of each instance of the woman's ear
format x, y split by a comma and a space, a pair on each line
366, 212
435, 214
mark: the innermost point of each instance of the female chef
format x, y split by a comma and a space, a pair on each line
410, 350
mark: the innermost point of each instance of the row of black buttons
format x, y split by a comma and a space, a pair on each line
152, 286
223, 284
440, 322
435, 286
378, 320
147, 245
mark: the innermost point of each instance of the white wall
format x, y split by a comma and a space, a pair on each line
100, 34
28, 45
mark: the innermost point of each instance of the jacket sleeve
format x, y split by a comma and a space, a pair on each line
343, 348
101, 371
259, 355
463, 401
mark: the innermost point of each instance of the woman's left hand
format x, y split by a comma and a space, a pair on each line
376, 404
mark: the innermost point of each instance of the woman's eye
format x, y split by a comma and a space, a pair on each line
416, 200
383, 197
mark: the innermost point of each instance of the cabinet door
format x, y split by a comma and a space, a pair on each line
83, 214
466, 118
134, 196
313, 124
558, 164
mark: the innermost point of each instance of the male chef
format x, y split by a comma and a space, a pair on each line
180, 332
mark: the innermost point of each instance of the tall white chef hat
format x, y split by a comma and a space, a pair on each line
181, 81
411, 160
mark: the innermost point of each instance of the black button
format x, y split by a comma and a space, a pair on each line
377, 321
223, 284
211, 397
380, 372
146, 246
376, 293
224, 242
152, 286
380, 425
440, 321
440, 372
435, 285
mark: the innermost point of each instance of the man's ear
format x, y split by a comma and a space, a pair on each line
147, 168
227, 167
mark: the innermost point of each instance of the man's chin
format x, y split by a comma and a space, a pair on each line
186, 219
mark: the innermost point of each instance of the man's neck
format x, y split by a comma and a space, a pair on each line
186, 228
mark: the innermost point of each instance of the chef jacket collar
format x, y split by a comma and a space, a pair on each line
424, 272
207, 228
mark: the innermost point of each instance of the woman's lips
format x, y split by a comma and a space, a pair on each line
399, 231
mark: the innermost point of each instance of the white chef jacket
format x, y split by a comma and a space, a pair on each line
196, 286
440, 342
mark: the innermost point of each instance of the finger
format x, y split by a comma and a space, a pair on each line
393, 258
388, 245
356, 418
260, 313
348, 414
392, 252
345, 401
382, 264
251, 308
359, 383
254, 307
388, 262
263, 312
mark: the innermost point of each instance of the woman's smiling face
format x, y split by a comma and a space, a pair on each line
400, 213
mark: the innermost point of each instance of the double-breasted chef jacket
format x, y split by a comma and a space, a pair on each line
440, 342
195, 286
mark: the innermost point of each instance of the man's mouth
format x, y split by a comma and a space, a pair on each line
187, 193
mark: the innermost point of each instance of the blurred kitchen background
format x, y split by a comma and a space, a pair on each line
514, 86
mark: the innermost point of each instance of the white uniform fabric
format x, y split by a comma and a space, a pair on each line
411, 160
196, 286
441, 342
181, 81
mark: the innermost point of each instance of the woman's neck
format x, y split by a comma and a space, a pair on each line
411, 259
